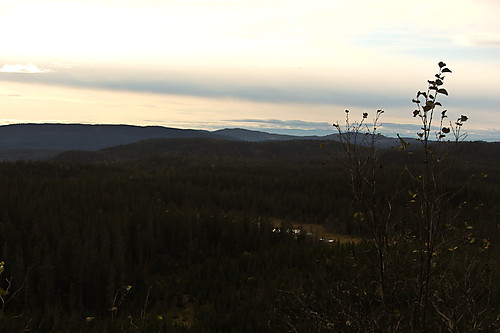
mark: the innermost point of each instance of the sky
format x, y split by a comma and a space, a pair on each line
278, 66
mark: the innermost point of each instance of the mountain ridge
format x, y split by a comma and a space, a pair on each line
43, 141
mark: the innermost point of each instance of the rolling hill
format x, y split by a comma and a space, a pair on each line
44, 141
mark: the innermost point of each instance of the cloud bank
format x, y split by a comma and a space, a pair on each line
279, 94
270, 85
304, 128
28, 68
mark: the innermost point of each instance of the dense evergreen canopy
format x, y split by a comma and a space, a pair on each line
147, 237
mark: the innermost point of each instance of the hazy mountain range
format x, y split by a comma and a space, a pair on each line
42, 141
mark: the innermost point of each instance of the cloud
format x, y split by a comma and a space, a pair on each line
258, 97
268, 86
479, 39
29, 68
295, 124
64, 65
485, 135
287, 127
305, 128
318, 127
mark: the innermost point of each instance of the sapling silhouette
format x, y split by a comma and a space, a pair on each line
373, 206
429, 191
439, 233
413, 246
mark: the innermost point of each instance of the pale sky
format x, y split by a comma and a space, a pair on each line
279, 66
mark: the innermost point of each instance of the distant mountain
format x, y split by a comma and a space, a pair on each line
39, 141
86, 137
42, 141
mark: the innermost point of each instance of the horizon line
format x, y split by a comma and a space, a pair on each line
292, 132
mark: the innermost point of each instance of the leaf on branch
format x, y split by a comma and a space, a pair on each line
415, 113
445, 130
443, 91
463, 118
438, 103
415, 101
421, 93
443, 114
365, 115
428, 106
446, 70
439, 82
441, 64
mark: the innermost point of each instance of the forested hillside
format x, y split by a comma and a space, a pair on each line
180, 235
